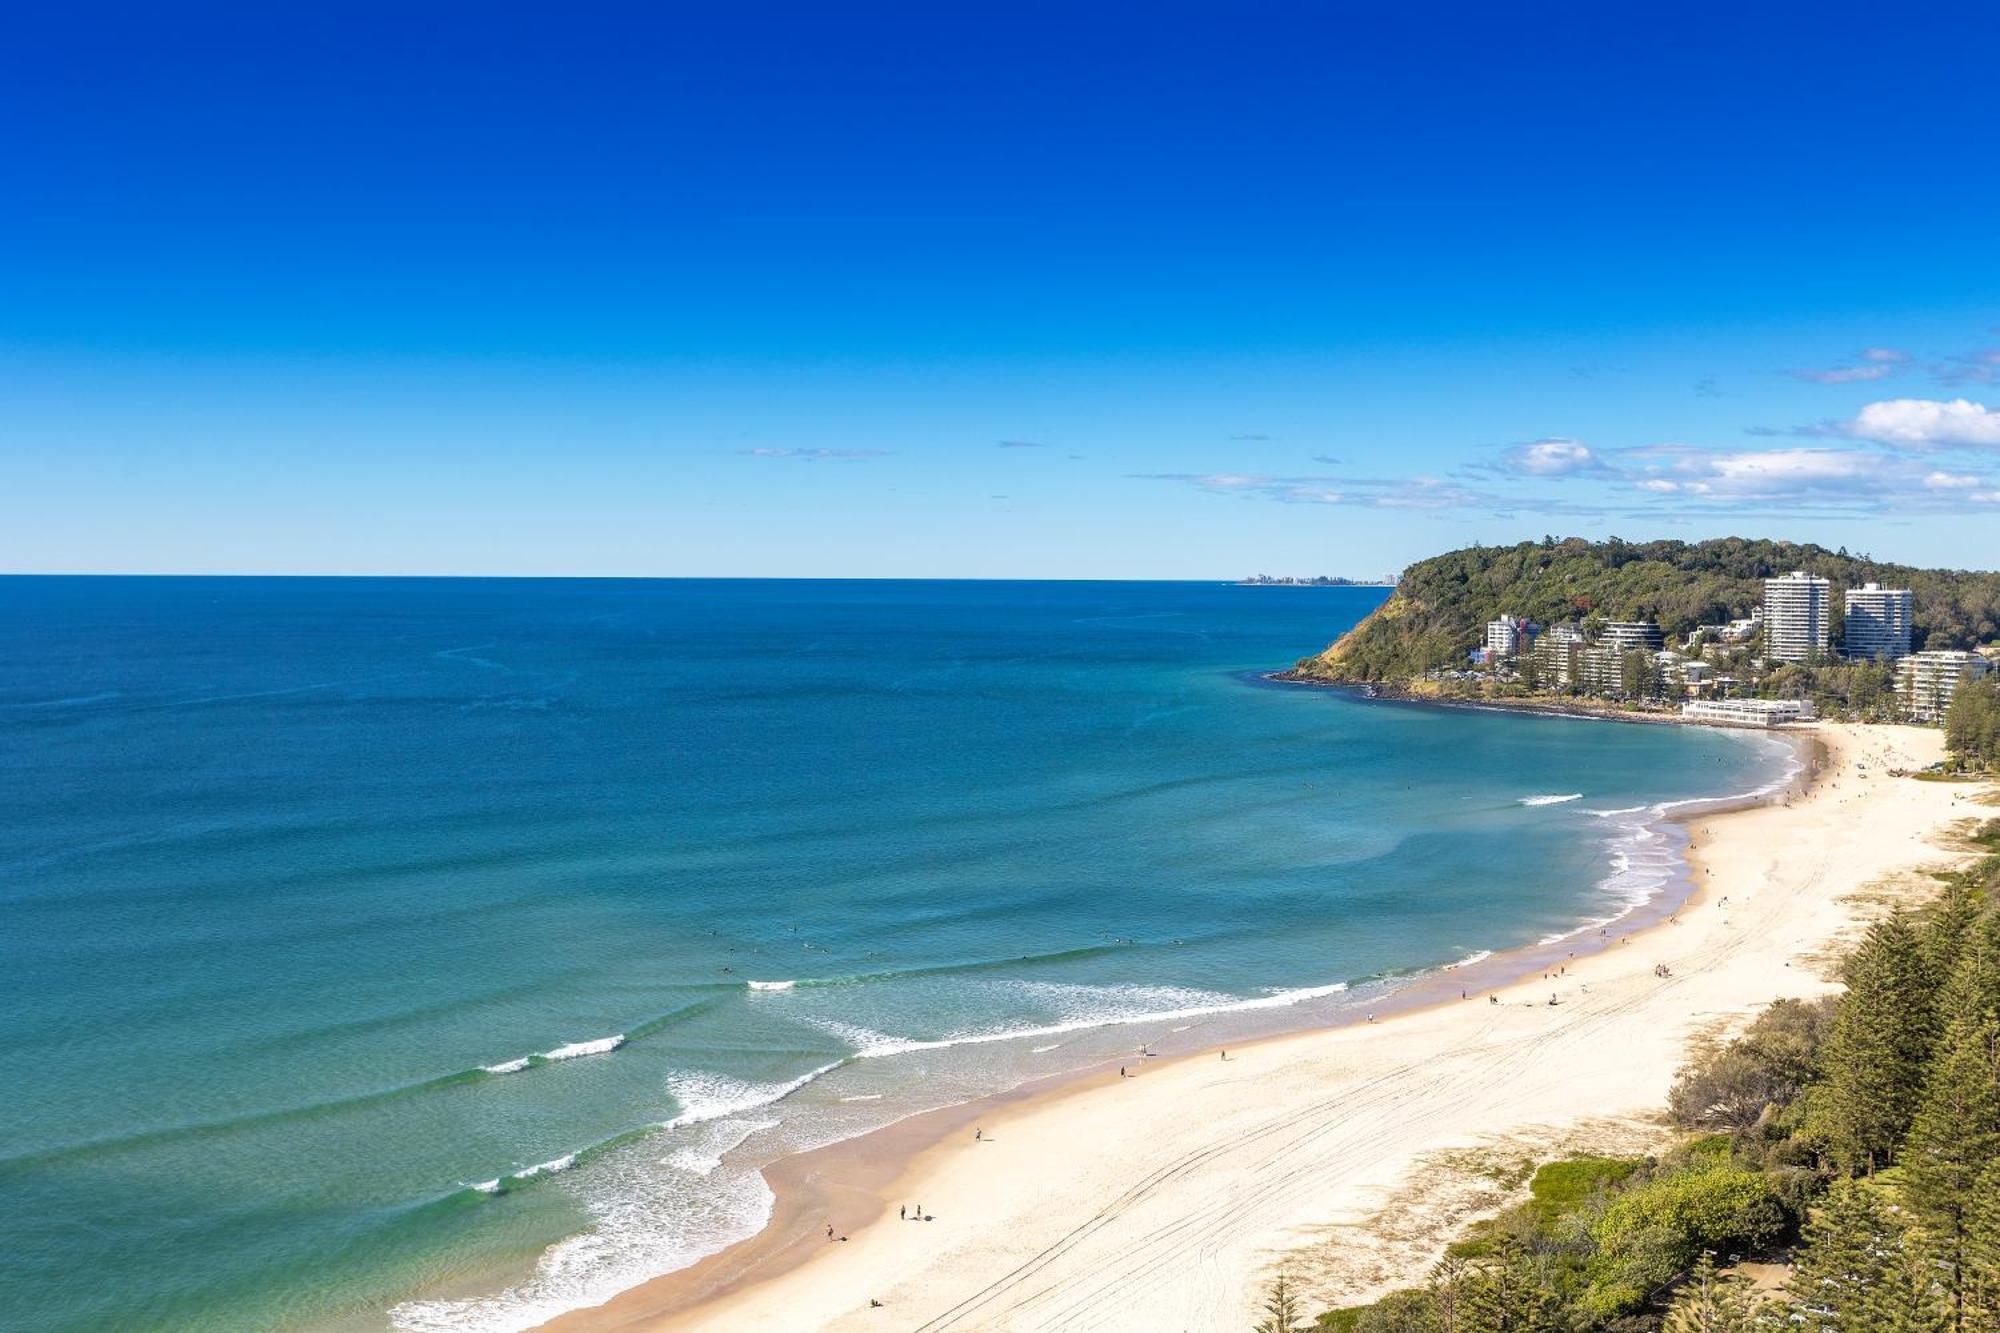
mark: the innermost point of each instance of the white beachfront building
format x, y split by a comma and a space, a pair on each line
1507, 637
1877, 625
1798, 617
1747, 712
1625, 635
1925, 682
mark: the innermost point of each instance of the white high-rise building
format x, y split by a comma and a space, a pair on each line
1507, 637
1798, 615
1925, 682
1625, 635
1878, 622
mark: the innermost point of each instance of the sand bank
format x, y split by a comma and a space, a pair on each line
1166, 1200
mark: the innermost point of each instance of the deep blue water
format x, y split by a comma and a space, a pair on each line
325, 899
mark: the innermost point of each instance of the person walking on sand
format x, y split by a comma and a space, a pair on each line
903, 1213
978, 1135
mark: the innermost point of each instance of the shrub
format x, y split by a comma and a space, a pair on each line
1676, 1217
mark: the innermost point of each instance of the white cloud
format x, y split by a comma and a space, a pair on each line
1922, 423
1847, 374
1845, 480
1552, 457
1952, 481
1422, 494
1877, 363
1981, 367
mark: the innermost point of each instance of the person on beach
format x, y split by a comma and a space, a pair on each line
978, 1136
1121, 1071
903, 1213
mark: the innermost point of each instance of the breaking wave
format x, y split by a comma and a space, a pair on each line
1129, 1004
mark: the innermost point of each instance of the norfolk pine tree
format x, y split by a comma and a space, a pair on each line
1711, 1303
1281, 1310
1848, 1241
1874, 1058
1954, 1140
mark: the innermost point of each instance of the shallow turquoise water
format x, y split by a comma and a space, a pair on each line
327, 901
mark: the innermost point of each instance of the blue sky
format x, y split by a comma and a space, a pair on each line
1033, 290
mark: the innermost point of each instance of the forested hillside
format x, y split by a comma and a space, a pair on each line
1441, 605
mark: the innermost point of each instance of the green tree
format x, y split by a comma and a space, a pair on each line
1709, 1302
1446, 1291
1955, 1136
1843, 1259
1972, 723
1281, 1309
1949, 924
1873, 1063
1768, 1067
1982, 1250
1639, 675
1907, 1298
1509, 1297
1956, 1133
1973, 983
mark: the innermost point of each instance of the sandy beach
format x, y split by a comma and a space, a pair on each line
1345, 1157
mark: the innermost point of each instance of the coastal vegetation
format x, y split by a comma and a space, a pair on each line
1848, 1149
1972, 724
1441, 605
1697, 597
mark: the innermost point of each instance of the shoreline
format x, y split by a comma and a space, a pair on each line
1549, 706
851, 1184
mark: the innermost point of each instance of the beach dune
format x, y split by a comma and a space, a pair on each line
1167, 1200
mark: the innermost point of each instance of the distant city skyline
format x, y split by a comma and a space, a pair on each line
1042, 292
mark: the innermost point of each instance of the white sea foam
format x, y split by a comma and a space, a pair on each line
1037, 1050
1113, 1006
548, 1168
704, 1095
772, 985
601, 1046
864, 1097
488, 1186
1551, 800
719, 1137
645, 1220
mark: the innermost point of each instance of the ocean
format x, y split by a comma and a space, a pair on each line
446, 954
